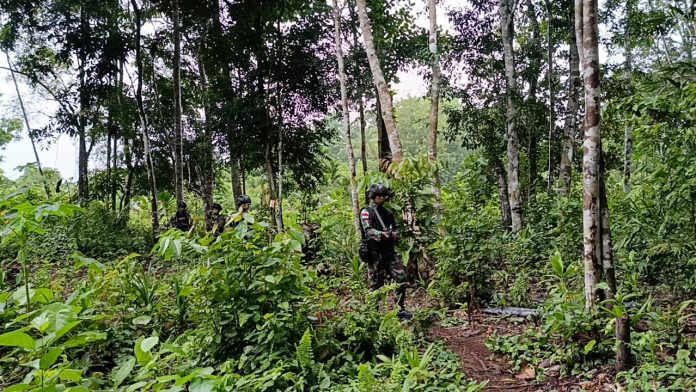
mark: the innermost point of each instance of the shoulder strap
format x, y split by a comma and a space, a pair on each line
379, 218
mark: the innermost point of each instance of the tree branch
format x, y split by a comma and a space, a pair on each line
62, 103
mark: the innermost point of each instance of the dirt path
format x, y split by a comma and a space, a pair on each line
468, 342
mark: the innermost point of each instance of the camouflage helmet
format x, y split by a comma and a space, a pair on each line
242, 199
379, 189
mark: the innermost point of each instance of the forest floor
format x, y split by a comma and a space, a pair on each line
468, 338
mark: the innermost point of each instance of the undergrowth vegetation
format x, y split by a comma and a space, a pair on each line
240, 312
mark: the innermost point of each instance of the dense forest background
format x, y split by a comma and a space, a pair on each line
548, 176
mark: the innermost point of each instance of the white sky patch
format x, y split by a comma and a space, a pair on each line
60, 154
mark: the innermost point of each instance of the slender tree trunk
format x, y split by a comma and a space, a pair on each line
387, 109
120, 121
270, 174
591, 158
108, 152
235, 172
206, 139
361, 104
579, 11
513, 148
279, 218
114, 168
506, 215
571, 119
628, 132
534, 71
128, 160
552, 102
363, 141
346, 117
83, 157
143, 122
385, 153
606, 245
434, 99
178, 132
624, 359
47, 189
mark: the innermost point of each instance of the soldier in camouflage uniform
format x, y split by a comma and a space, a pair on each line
217, 221
377, 250
182, 219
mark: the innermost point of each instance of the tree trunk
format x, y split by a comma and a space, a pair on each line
235, 173
279, 218
346, 117
434, 99
505, 213
628, 157
126, 198
387, 109
178, 132
571, 120
578, 23
363, 141
628, 132
143, 123
83, 157
270, 174
606, 245
114, 168
361, 104
47, 189
534, 73
624, 359
109, 132
207, 172
385, 154
552, 102
513, 148
591, 157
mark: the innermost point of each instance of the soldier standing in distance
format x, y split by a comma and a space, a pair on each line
243, 204
380, 236
182, 219
217, 221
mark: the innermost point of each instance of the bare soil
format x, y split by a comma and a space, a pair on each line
468, 342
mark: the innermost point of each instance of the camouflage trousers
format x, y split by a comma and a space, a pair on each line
381, 267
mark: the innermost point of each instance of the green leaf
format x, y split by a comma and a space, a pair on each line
142, 320
84, 338
683, 355
17, 339
297, 235
73, 375
325, 383
142, 349
136, 386
124, 368
54, 317
172, 348
269, 279
48, 359
43, 295
557, 264
589, 346
201, 385
149, 343
78, 388
17, 388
